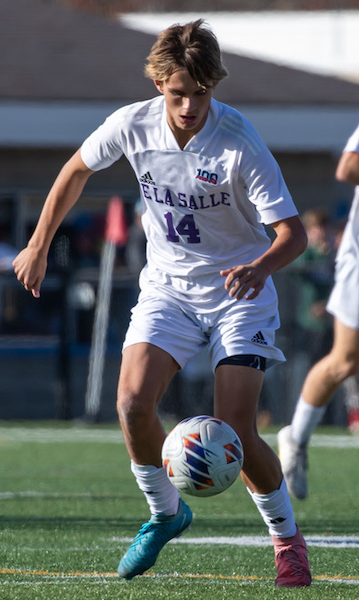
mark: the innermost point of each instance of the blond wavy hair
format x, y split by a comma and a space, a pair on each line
192, 47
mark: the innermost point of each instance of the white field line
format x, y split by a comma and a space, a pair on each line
45, 495
321, 541
93, 434
53, 435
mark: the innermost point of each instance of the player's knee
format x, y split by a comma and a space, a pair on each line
345, 367
131, 410
352, 366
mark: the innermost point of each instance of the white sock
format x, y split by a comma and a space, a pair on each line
162, 497
277, 511
305, 420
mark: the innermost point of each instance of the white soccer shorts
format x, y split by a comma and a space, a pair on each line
343, 301
183, 333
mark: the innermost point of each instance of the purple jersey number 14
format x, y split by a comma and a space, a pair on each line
186, 227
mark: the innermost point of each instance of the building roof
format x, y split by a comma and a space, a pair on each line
49, 52
62, 72
324, 42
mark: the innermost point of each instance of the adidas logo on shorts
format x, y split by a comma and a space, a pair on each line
258, 338
146, 178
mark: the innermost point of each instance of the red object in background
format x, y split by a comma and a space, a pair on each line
116, 230
353, 420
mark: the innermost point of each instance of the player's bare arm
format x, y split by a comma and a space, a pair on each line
30, 265
348, 168
290, 242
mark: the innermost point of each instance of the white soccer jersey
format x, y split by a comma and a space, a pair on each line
344, 299
205, 205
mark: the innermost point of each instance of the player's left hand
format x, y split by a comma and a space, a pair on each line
241, 279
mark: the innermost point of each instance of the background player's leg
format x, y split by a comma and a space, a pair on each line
343, 360
319, 386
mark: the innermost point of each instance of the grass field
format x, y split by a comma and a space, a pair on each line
69, 506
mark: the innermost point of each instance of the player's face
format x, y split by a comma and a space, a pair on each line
187, 104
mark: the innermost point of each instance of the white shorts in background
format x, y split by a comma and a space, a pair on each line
343, 301
183, 333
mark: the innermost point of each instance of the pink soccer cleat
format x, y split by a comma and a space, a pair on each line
291, 561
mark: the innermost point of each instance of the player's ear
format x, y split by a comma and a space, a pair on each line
159, 85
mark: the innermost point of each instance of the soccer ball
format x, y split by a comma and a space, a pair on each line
202, 456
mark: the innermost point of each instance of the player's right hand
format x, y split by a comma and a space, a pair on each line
30, 268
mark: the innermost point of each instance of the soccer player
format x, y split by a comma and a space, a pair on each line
343, 359
208, 185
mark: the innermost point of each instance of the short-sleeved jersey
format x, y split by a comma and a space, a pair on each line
350, 239
205, 205
352, 145
344, 299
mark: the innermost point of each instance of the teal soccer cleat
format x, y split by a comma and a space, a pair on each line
153, 535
